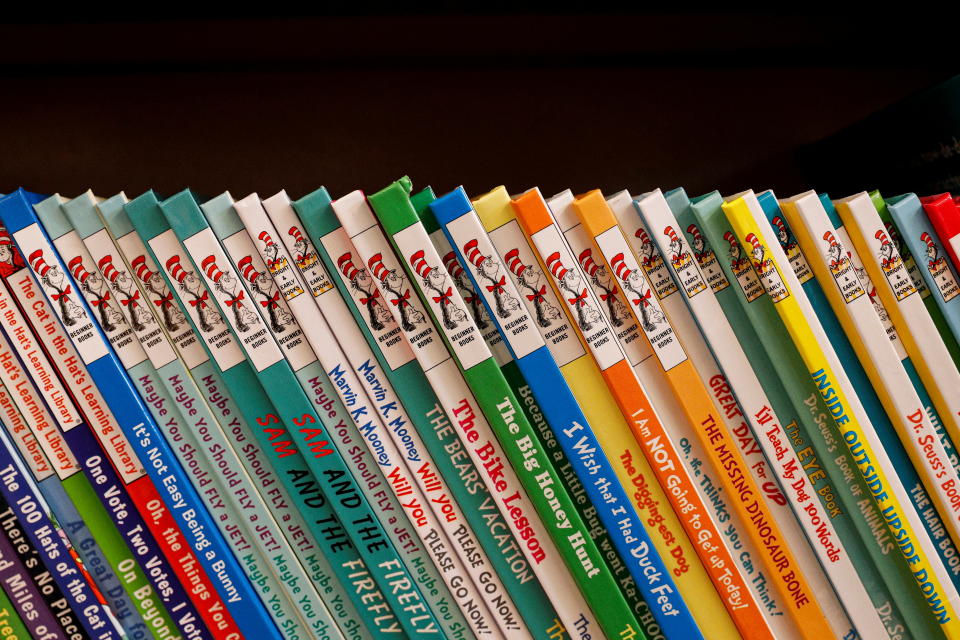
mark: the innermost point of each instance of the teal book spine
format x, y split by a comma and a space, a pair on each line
313, 420
318, 233
310, 522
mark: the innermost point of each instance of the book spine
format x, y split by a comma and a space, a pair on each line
470, 423
911, 318
123, 421
118, 317
231, 386
383, 444
783, 287
215, 469
761, 334
876, 342
503, 411
936, 265
300, 406
25, 518
584, 379
51, 482
570, 433
12, 626
115, 482
647, 426
941, 210
20, 588
393, 360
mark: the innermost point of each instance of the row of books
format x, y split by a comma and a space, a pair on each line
402, 415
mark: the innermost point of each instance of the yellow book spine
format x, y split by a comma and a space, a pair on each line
771, 274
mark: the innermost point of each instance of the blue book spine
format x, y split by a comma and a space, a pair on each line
461, 225
203, 557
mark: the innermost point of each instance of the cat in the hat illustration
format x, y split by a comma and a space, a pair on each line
601, 278
52, 278
889, 257
783, 236
678, 255
467, 292
636, 284
271, 253
394, 284
153, 282
932, 251
127, 293
228, 285
737, 260
99, 294
489, 270
834, 251
759, 254
570, 282
436, 280
10, 258
648, 253
303, 256
529, 278
191, 284
360, 281
867, 283
263, 286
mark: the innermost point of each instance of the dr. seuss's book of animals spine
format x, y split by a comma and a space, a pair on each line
585, 307
839, 268
20, 398
815, 441
933, 254
215, 468
432, 523
405, 523
921, 512
374, 253
100, 446
310, 522
721, 445
782, 285
114, 324
316, 237
634, 472
505, 414
313, 421
558, 405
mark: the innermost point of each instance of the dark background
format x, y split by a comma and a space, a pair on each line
504, 95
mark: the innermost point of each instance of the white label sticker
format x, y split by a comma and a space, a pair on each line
890, 261
653, 321
791, 247
766, 268
415, 248
156, 294
50, 272
706, 259
837, 258
650, 259
742, 268
536, 293
937, 263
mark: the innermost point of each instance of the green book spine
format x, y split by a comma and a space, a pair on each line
326, 239
334, 565
11, 626
814, 439
303, 396
516, 434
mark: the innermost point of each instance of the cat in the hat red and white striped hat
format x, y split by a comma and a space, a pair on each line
399, 293
601, 279
229, 286
360, 281
10, 258
467, 292
638, 293
679, 256
271, 253
738, 263
267, 293
162, 298
52, 279
199, 298
442, 293
934, 259
529, 278
488, 270
571, 284
303, 256
98, 293
128, 294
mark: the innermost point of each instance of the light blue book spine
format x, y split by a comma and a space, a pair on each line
315, 414
919, 498
205, 555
